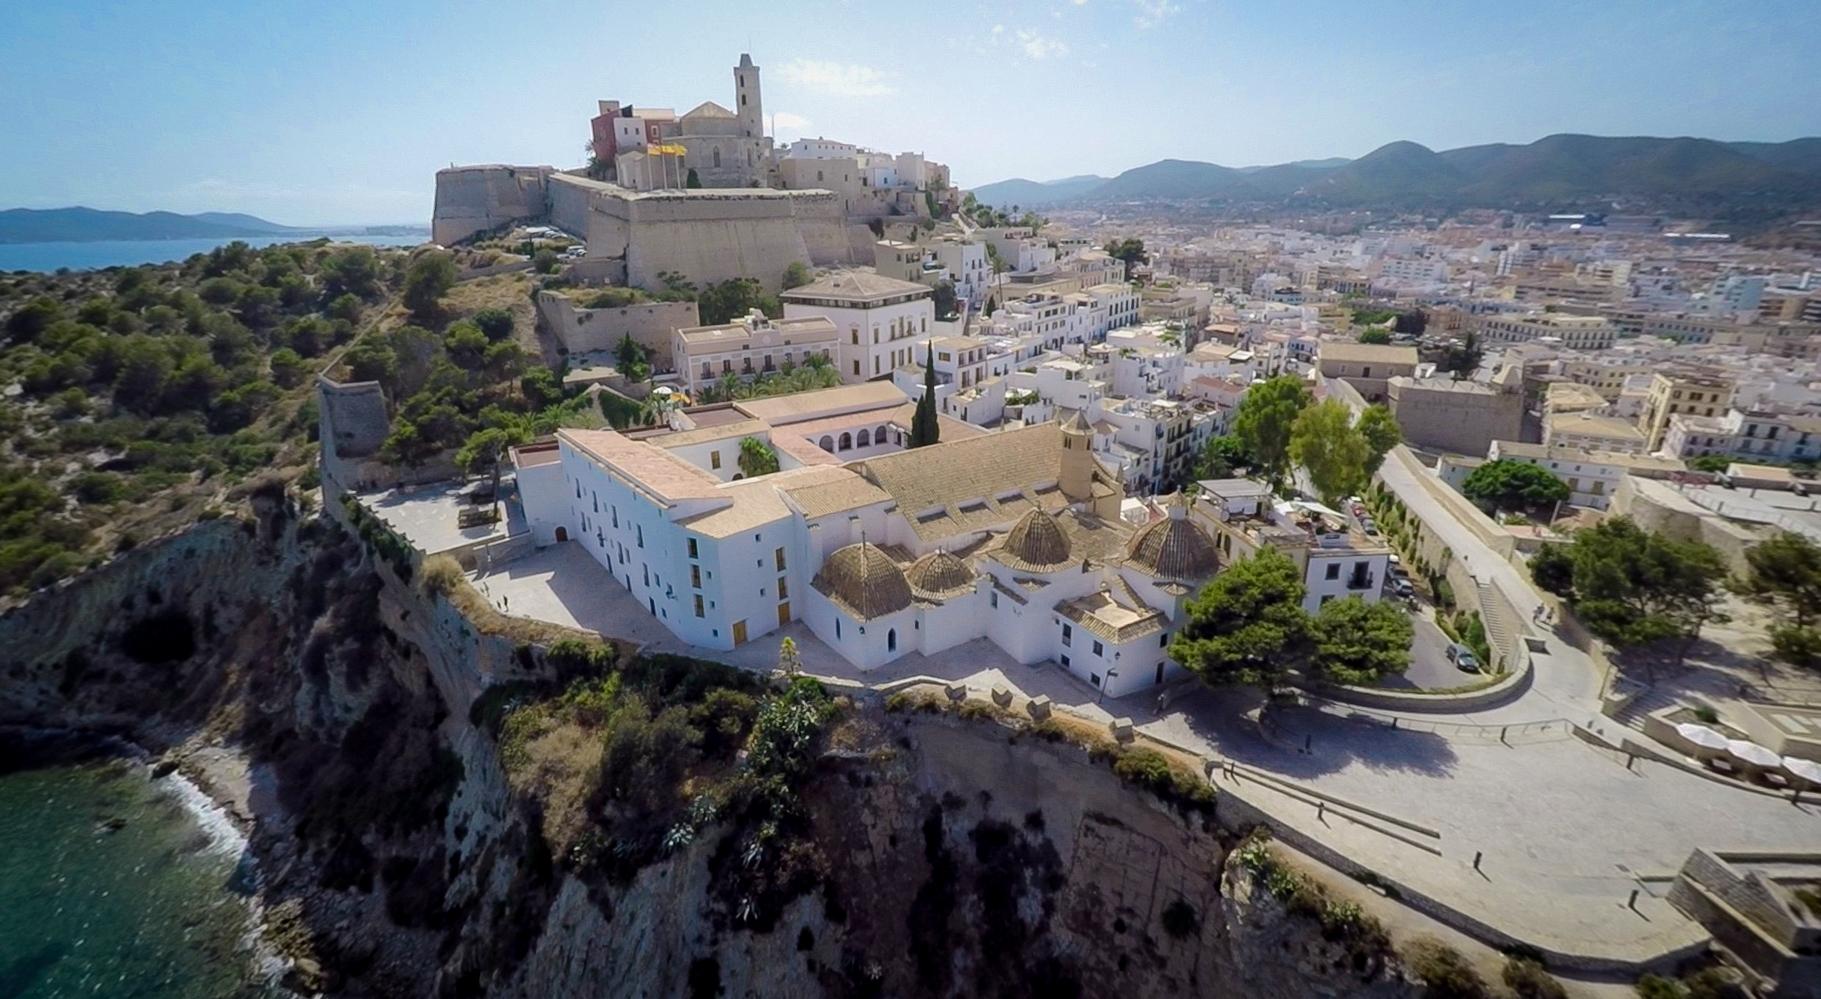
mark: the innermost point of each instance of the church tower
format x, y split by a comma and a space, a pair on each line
1076, 476
746, 98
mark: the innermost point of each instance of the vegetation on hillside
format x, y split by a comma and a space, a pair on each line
136, 398
1632, 587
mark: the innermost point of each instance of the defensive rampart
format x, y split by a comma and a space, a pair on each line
473, 199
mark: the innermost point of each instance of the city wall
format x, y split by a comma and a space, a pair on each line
707, 235
473, 199
649, 324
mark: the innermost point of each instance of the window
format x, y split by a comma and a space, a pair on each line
837, 628
714, 459
1163, 640
616, 518
1099, 649
641, 530
699, 612
783, 587
993, 598
1065, 659
695, 576
865, 439
777, 558
692, 545
1068, 634
847, 440
891, 640
1333, 570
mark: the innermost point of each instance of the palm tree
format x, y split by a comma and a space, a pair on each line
757, 457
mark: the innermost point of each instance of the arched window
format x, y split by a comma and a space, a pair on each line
847, 441
891, 640
717, 157
827, 443
866, 437
879, 435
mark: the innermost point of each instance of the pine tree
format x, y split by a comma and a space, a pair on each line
923, 424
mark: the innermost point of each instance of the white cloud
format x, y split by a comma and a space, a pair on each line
838, 78
1152, 13
787, 119
1036, 46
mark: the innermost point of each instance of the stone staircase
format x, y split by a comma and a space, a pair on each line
1653, 699
1502, 633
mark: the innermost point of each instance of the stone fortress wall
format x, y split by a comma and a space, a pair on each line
473, 199
649, 324
707, 235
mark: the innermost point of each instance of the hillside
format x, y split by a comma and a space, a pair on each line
1553, 170
1036, 193
80, 225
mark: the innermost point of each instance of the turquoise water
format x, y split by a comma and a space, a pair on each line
111, 886
120, 253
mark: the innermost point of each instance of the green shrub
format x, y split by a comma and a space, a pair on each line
1655, 986
1444, 973
1527, 980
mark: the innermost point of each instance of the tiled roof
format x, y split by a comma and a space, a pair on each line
703, 435
778, 410
1036, 544
855, 286
1370, 353
1174, 547
940, 574
832, 490
863, 581
659, 473
1106, 617
972, 485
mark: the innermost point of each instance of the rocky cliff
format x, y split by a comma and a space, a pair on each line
327, 704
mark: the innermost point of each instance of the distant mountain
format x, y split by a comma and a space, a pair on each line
1558, 169
1036, 193
83, 225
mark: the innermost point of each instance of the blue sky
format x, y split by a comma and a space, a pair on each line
326, 113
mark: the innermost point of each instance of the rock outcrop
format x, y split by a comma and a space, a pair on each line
328, 704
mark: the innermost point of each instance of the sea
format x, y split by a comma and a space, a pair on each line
115, 884
118, 253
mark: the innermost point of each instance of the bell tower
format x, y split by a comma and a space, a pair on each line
1076, 475
747, 106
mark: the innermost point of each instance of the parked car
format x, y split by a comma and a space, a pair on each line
1463, 658
1400, 587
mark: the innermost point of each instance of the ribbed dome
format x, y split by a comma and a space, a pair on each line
864, 580
939, 572
1173, 548
1036, 541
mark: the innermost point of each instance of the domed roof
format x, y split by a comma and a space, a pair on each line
939, 572
1174, 547
1035, 542
864, 581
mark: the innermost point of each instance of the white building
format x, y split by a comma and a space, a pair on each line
1337, 560
877, 319
1592, 476
1015, 537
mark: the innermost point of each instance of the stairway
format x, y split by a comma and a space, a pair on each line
1499, 631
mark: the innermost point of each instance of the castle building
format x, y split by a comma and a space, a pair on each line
1012, 536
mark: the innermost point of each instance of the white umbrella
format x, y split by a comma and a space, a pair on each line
1702, 736
1752, 754
1807, 771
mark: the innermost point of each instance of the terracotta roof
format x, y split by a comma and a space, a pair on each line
974, 485
863, 581
1372, 353
1106, 617
666, 477
1036, 543
703, 435
779, 410
832, 489
855, 286
1174, 547
940, 574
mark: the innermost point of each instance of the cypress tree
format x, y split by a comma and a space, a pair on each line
923, 423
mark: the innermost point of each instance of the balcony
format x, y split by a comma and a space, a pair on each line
1362, 581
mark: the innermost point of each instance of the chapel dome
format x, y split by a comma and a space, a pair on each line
864, 581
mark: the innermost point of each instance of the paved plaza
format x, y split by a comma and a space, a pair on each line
427, 516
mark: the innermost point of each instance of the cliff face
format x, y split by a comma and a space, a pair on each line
328, 706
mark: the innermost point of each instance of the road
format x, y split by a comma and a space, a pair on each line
1429, 665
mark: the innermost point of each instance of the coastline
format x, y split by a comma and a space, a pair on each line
212, 787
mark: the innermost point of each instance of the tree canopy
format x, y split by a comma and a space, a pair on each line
1514, 485
1375, 335
1247, 626
1264, 420
925, 429
1381, 432
757, 457
1129, 250
1785, 572
427, 280
1358, 643
1325, 443
1632, 587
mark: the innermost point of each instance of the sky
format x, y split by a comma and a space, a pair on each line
326, 113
